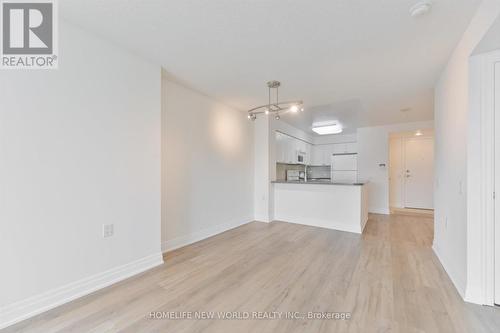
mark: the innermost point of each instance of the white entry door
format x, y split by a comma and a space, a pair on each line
419, 172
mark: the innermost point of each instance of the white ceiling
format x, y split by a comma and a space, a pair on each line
350, 114
491, 41
363, 54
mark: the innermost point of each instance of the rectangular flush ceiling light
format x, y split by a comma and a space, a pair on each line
328, 129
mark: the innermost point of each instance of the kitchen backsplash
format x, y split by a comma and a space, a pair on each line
323, 171
312, 171
281, 169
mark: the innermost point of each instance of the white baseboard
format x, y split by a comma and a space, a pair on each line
327, 224
379, 210
363, 223
451, 276
474, 295
199, 235
262, 218
32, 306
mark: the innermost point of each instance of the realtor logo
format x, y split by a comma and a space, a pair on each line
28, 33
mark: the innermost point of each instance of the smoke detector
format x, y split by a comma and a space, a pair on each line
421, 8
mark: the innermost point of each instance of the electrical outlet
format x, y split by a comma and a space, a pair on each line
107, 230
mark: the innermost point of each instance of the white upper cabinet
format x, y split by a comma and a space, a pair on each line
329, 151
309, 153
300, 145
339, 148
287, 148
351, 147
280, 151
345, 148
320, 155
315, 155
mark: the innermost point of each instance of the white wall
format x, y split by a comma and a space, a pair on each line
452, 137
79, 148
264, 152
208, 167
278, 125
373, 150
490, 41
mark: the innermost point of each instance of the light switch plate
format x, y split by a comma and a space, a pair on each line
107, 230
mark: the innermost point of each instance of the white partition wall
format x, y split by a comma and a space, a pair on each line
459, 186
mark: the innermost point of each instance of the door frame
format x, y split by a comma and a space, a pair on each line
480, 286
400, 143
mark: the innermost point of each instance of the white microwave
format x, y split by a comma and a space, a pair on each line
301, 157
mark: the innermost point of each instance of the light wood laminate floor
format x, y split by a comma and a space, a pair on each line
388, 279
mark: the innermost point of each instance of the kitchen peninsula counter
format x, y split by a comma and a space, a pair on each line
338, 206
